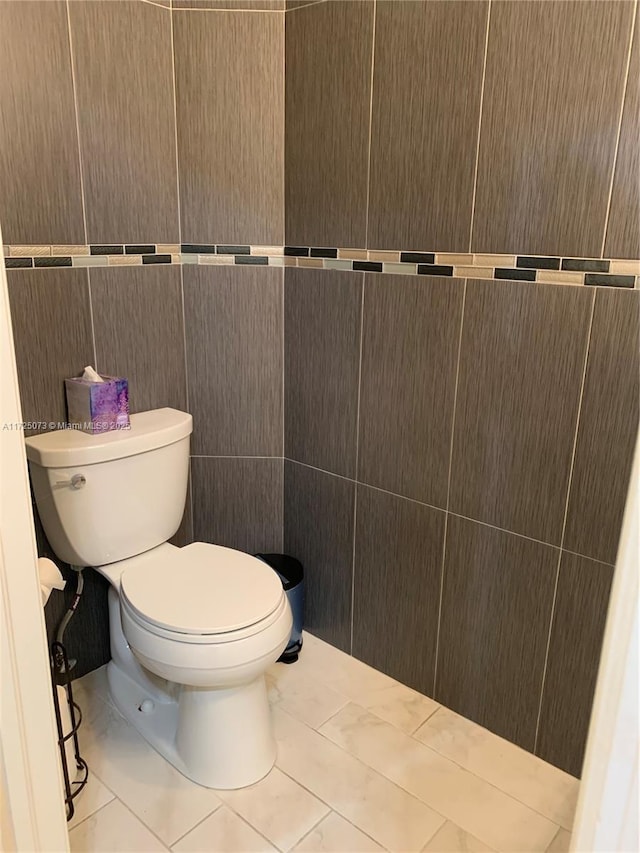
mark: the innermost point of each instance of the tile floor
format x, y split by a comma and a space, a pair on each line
364, 764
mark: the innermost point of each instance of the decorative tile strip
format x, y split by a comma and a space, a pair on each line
592, 272
50, 261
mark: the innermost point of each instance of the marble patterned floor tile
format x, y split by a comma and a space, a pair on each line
334, 834
94, 683
305, 698
463, 798
92, 797
359, 783
99, 717
545, 788
111, 829
286, 726
399, 705
223, 832
343, 673
381, 809
350, 677
278, 808
560, 843
165, 800
452, 839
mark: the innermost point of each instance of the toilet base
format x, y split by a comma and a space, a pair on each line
218, 738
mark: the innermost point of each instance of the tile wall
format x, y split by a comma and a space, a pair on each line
438, 202
488, 409
92, 156
491, 125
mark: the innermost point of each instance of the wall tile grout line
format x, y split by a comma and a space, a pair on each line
159, 5
373, 56
475, 169
619, 129
284, 366
191, 531
564, 522
553, 545
446, 516
283, 136
503, 529
81, 174
77, 117
233, 11
179, 211
91, 318
306, 5
585, 557
355, 490
205, 456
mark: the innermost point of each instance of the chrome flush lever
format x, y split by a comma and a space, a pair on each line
76, 482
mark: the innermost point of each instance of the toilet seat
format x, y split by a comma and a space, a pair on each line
202, 593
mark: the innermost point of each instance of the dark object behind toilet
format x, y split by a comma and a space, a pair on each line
291, 574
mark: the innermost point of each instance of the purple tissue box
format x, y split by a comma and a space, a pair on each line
96, 407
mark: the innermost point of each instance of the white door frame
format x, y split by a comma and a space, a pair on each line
33, 813
607, 815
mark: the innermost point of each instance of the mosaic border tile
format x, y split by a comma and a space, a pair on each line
591, 272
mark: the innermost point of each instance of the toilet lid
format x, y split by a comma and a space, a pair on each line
202, 589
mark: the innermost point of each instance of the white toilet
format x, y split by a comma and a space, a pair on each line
193, 629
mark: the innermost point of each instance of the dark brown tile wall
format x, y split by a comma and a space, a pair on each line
51, 319
230, 115
238, 502
608, 427
551, 87
296, 4
410, 341
318, 530
574, 654
328, 94
520, 368
496, 609
521, 364
322, 362
39, 168
623, 231
124, 89
397, 570
138, 322
237, 5
233, 321
426, 106
124, 101
553, 90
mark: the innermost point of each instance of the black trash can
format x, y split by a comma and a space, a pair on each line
292, 576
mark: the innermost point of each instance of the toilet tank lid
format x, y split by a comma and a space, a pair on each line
148, 431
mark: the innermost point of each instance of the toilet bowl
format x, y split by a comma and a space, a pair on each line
215, 645
192, 629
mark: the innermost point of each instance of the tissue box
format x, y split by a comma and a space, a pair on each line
96, 407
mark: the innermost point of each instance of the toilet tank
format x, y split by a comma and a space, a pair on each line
103, 498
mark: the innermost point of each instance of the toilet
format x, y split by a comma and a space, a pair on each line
192, 629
